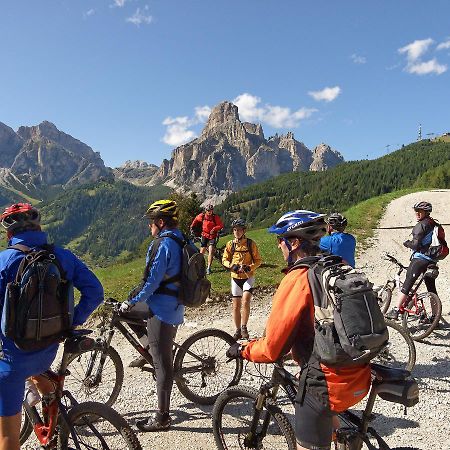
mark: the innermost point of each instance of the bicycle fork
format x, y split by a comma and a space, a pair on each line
254, 438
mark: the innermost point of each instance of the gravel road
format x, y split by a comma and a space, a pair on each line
426, 426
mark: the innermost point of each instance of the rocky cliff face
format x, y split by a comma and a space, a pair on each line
230, 154
136, 172
42, 156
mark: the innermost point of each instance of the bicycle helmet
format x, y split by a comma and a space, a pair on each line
238, 223
209, 207
336, 221
307, 225
161, 209
20, 216
423, 206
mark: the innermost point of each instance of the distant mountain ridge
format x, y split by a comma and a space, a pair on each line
230, 155
38, 157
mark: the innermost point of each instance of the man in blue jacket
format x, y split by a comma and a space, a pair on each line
160, 292
22, 224
338, 242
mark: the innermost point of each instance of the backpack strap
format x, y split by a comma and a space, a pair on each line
249, 248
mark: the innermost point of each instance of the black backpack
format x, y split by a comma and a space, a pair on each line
38, 308
349, 325
194, 286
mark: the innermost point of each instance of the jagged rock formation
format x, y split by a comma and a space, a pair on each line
230, 154
42, 156
136, 172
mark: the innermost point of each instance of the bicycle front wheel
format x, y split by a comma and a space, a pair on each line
201, 368
400, 353
384, 298
92, 425
95, 375
232, 418
423, 316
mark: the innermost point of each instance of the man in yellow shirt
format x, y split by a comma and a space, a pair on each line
242, 257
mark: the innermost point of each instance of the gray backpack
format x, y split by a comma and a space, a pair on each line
349, 325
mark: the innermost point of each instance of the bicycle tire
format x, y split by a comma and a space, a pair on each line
396, 354
204, 385
384, 299
421, 326
111, 380
245, 398
85, 417
26, 428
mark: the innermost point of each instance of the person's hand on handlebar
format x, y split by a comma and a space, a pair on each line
126, 306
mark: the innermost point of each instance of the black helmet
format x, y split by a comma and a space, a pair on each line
336, 221
209, 207
238, 223
423, 206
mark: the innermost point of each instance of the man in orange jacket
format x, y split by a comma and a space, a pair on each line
210, 225
290, 327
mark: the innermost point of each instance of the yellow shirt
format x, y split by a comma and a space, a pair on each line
241, 256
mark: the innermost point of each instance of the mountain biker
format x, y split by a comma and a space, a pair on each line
325, 391
241, 256
23, 226
338, 242
419, 244
210, 224
165, 311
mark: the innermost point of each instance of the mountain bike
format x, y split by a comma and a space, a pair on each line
60, 422
201, 369
247, 418
422, 311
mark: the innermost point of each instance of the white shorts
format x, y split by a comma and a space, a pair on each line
239, 286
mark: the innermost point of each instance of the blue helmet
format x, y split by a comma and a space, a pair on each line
307, 225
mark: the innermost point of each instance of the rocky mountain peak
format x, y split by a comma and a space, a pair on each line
324, 157
10, 144
221, 114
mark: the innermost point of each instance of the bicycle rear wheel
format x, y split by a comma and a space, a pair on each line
92, 425
424, 316
201, 368
400, 352
384, 298
232, 417
90, 381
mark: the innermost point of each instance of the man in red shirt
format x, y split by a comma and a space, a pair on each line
210, 224
290, 327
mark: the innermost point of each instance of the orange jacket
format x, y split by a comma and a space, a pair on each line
290, 326
211, 225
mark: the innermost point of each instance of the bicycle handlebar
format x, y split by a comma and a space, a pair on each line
390, 258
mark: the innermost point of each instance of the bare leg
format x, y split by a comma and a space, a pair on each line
202, 250
211, 250
245, 314
237, 311
9, 432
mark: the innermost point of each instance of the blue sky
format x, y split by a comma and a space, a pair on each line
135, 78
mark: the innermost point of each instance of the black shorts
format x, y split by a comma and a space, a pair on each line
313, 423
205, 242
416, 267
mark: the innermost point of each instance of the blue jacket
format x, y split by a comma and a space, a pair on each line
76, 271
340, 244
167, 263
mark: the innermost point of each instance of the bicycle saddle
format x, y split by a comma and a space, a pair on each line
389, 374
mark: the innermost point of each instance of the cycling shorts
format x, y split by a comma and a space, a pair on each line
313, 423
417, 267
239, 286
12, 382
205, 242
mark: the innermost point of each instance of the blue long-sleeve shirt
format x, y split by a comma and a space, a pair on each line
75, 271
166, 264
340, 244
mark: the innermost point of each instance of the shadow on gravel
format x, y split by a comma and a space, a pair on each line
437, 371
386, 425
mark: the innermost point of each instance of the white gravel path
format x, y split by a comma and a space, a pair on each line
427, 426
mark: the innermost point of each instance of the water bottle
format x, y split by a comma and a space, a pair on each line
32, 396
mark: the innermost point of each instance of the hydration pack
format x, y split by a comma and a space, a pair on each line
38, 307
348, 323
438, 248
194, 287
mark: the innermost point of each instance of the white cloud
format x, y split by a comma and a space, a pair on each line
119, 3
443, 45
416, 49
327, 94
250, 110
89, 13
140, 17
202, 113
178, 132
357, 59
427, 67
